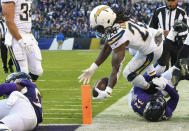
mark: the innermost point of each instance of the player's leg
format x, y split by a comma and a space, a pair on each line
164, 59
4, 57
4, 108
19, 57
34, 62
133, 69
21, 116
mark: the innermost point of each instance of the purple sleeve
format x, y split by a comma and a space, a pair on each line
7, 88
172, 102
24, 82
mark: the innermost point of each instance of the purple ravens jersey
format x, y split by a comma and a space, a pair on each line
140, 98
33, 95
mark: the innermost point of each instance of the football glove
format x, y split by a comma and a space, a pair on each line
28, 46
103, 94
179, 26
87, 74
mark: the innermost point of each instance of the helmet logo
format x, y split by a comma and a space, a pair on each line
98, 12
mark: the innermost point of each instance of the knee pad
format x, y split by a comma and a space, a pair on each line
131, 76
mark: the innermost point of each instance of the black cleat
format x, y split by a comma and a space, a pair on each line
5, 70
176, 77
11, 69
184, 64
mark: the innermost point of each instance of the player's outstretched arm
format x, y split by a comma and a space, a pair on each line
8, 9
87, 74
117, 61
105, 52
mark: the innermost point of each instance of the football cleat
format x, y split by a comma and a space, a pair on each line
176, 77
184, 64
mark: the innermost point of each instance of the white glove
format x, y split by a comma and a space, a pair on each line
103, 94
87, 74
27, 45
161, 83
159, 36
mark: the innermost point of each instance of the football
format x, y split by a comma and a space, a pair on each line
101, 85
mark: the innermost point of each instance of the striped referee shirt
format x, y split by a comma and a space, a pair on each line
3, 29
164, 18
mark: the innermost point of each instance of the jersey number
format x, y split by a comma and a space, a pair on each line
138, 103
38, 102
26, 12
133, 26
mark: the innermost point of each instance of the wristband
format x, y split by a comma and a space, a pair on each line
93, 67
108, 90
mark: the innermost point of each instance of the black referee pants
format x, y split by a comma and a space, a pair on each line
4, 57
170, 52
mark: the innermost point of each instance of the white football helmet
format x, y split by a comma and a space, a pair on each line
103, 16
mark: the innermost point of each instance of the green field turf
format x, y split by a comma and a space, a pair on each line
60, 88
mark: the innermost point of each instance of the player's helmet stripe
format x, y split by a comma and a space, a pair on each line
99, 11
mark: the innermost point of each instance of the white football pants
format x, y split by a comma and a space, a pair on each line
139, 63
32, 60
18, 115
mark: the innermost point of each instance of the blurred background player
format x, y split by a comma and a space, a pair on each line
154, 107
121, 32
25, 47
164, 17
60, 40
4, 53
22, 110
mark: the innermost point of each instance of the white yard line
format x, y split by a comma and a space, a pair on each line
119, 117
55, 109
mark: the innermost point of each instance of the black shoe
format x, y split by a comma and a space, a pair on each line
5, 70
176, 77
184, 64
11, 69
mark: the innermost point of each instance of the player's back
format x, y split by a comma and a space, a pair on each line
34, 96
22, 17
138, 34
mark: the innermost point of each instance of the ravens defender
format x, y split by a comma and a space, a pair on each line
121, 32
22, 110
153, 107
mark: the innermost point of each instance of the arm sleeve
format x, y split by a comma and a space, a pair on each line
154, 21
7, 88
24, 82
172, 102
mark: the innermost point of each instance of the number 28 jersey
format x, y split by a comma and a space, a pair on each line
22, 16
140, 37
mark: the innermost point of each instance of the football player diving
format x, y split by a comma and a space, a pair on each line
22, 110
121, 32
153, 107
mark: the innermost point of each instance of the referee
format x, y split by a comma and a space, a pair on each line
4, 53
164, 17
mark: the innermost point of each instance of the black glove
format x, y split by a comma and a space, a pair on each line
152, 89
179, 26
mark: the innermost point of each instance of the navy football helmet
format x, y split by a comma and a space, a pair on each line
17, 75
155, 108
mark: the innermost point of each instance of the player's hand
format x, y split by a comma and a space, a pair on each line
179, 26
160, 82
87, 74
28, 46
101, 95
